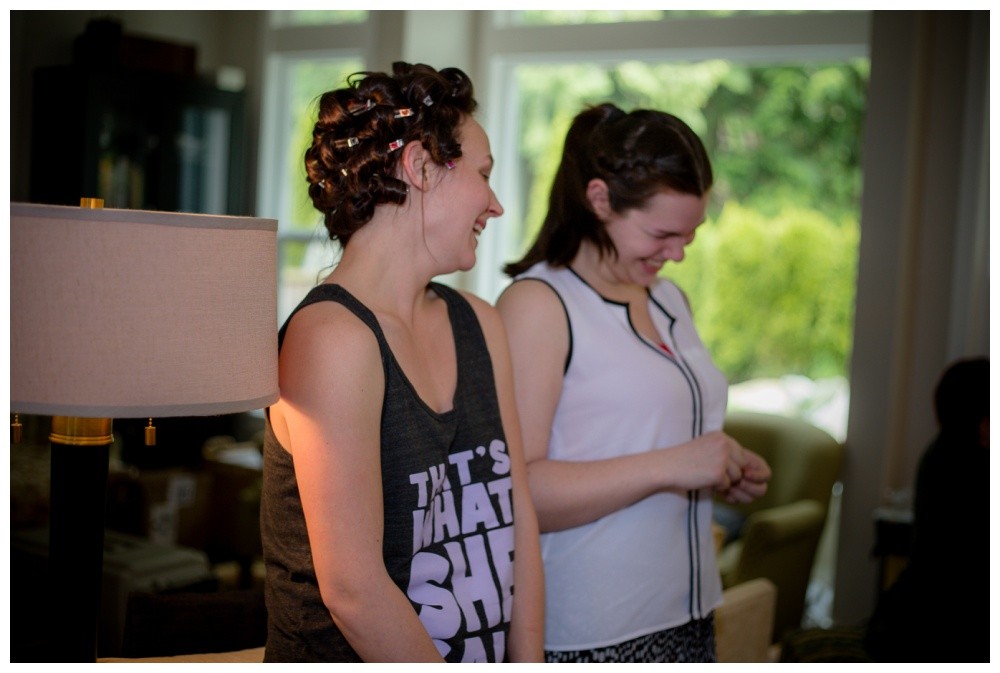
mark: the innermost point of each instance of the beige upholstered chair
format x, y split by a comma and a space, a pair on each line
781, 530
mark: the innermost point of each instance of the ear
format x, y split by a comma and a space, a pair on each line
597, 195
413, 165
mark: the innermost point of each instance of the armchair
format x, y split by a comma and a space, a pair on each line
781, 530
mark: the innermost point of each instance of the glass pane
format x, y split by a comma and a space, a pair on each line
565, 17
203, 153
304, 249
771, 274
308, 80
317, 17
301, 265
539, 17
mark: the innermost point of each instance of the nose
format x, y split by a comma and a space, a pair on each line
675, 245
494, 209
674, 250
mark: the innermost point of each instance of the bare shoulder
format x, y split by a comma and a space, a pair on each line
323, 343
319, 326
531, 304
532, 295
330, 378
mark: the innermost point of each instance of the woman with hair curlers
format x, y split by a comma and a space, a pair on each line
395, 517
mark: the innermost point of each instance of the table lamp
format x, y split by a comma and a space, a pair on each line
128, 314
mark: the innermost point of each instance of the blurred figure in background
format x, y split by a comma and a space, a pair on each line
939, 608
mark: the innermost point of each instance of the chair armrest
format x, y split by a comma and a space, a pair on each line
766, 531
779, 525
779, 541
780, 544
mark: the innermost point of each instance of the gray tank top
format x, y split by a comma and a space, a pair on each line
448, 525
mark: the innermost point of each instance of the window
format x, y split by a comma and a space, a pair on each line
547, 17
783, 229
316, 17
303, 246
725, 73
782, 124
309, 52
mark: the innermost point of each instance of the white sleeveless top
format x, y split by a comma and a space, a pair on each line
650, 566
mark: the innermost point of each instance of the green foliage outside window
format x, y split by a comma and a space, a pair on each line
309, 80
773, 295
562, 17
318, 17
771, 275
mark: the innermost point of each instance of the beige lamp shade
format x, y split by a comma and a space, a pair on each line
130, 313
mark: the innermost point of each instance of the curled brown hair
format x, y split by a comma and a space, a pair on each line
352, 163
636, 154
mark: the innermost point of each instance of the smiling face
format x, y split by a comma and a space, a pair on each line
465, 198
648, 237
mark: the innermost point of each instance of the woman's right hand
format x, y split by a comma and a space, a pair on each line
716, 460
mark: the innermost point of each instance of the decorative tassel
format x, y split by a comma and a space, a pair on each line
16, 430
150, 434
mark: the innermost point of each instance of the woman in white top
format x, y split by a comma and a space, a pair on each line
620, 404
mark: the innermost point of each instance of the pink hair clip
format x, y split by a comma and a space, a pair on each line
346, 142
449, 164
396, 144
403, 112
358, 108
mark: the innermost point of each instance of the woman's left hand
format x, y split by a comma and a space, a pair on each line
752, 483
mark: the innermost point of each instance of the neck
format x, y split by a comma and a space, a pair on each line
599, 271
383, 265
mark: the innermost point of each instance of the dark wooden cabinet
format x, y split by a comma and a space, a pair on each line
140, 140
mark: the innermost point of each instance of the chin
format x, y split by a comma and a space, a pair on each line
648, 275
466, 265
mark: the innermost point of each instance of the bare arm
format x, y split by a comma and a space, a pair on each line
569, 494
528, 618
330, 409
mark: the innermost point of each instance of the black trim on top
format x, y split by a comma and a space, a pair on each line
694, 498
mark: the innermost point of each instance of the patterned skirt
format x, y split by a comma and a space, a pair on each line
693, 642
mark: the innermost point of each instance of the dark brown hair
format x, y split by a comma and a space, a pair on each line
352, 163
637, 155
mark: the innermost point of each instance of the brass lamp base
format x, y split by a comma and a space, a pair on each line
74, 431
